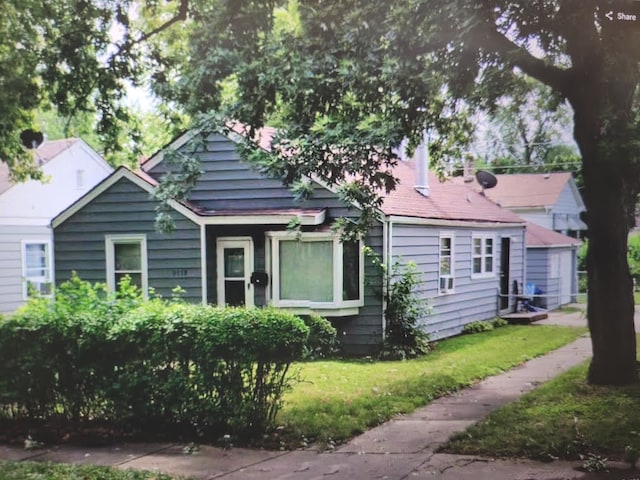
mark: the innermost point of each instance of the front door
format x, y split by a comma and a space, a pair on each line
234, 266
505, 255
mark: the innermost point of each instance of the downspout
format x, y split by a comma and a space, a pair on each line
387, 257
203, 262
422, 166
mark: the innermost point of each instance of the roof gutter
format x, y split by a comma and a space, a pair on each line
435, 222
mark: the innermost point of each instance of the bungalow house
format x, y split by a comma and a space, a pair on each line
231, 244
71, 169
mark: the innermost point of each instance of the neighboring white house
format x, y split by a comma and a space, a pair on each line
71, 169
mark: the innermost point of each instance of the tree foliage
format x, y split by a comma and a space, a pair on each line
347, 81
358, 76
528, 132
72, 61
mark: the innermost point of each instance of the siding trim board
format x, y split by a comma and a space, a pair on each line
274, 218
451, 223
102, 187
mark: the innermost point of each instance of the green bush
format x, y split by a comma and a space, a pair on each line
322, 337
477, 327
499, 322
118, 358
633, 256
403, 337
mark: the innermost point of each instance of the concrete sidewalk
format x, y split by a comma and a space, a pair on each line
402, 448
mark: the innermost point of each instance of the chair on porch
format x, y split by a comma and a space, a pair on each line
524, 300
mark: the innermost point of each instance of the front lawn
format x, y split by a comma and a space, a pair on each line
52, 471
564, 418
336, 400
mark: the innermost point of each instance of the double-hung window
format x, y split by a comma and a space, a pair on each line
36, 269
126, 255
483, 253
446, 264
316, 271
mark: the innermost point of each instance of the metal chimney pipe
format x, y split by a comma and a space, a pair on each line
422, 166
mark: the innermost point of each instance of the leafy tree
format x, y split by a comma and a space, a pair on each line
76, 57
525, 131
357, 76
348, 80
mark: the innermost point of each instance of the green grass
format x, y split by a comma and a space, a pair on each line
582, 298
336, 400
51, 471
564, 418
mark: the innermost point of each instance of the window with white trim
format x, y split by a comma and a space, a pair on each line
126, 255
36, 269
316, 271
483, 255
446, 264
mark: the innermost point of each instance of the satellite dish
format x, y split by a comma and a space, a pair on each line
31, 139
486, 179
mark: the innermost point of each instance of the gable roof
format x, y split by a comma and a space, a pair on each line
446, 200
44, 153
526, 190
537, 236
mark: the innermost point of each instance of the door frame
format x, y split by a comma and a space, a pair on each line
245, 243
505, 274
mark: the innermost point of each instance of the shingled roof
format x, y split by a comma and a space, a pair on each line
45, 152
537, 236
525, 190
446, 200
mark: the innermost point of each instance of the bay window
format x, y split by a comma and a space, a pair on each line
316, 271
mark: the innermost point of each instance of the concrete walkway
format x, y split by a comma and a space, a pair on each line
403, 448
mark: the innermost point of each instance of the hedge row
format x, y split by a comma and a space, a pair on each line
135, 363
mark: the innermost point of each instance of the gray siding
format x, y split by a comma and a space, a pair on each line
229, 183
567, 202
473, 298
539, 272
11, 237
173, 259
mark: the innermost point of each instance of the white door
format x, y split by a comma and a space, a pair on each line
234, 266
566, 277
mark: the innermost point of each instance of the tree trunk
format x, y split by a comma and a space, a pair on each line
610, 306
609, 198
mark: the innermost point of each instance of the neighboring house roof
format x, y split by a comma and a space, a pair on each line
52, 148
525, 190
45, 152
537, 236
446, 200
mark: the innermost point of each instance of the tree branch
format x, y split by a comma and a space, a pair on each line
180, 16
490, 39
485, 34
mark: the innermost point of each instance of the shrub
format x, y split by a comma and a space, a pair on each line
404, 338
322, 337
633, 256
118, 358
499, 322
477, 327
